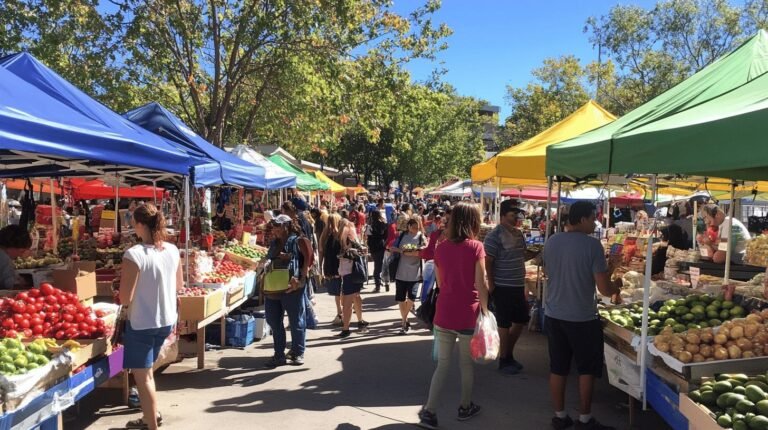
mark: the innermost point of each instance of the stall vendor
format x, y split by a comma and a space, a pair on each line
15, 242
715, 218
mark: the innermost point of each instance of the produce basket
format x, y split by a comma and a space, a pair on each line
198, 308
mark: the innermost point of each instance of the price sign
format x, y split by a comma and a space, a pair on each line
695, 275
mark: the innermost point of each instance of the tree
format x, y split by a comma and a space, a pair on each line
559, 89
649, 51
228, 60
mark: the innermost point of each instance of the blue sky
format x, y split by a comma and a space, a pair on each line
496, 43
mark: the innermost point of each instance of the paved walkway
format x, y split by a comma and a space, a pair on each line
374, 381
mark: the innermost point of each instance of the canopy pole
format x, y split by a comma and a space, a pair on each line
498, 201
695, 223
549, 208
729, 233
3, 205
607, 212
117, 203
186, 230
54, 220
559, 189
646, 304
154, 191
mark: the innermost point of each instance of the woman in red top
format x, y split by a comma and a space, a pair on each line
460, 269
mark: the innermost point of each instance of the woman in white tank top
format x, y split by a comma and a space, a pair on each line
150, 278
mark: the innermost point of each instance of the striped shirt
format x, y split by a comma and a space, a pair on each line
508, 252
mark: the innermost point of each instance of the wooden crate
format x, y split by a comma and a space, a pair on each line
235, 295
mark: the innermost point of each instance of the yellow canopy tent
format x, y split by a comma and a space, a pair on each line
335, 187
524, 164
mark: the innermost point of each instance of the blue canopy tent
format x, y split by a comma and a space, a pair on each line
40, 136
58, 89
234, 170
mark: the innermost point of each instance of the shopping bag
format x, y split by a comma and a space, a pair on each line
429, 279
428, 308
385, 268
276, 280
484, 346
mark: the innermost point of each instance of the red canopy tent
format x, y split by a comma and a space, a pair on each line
631, 199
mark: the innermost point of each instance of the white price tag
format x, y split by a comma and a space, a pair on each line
695, 275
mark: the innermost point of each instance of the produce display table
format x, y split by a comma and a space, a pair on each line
44, 411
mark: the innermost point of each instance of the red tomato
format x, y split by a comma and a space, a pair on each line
59, 334
11, 333
27, 332
68, 318
34, 292
39, 307
9, 323
37, 329
51, 300
83, 326
71, 333
22, 296
47, 289
19, 307
17, 318
36, 320
79, 317
25, 323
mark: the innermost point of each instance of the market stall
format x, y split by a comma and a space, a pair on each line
699, 370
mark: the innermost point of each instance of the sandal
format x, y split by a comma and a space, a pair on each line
140, 424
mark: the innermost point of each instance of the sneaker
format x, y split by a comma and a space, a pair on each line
133, 398
561, 423
386, 287
344, 333
337, 320
275, 362
592, 425
363, 323
402, 331
362, 326
468, 412
407, 327
427, 420
295, 359
377, 290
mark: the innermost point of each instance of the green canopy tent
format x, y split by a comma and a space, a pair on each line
605, 150
304, 181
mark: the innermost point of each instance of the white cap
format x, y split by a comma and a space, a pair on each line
282, 219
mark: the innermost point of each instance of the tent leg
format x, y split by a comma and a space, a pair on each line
729, 226
186, 229
54, 220
498, 201
559, 189
154, 192
646, 304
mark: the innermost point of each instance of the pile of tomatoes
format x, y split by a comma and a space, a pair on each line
225, 271
48, 312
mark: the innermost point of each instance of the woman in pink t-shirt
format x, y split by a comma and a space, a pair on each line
460, 269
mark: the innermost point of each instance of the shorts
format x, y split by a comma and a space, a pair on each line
405, 289
333, 286
581, 342
511, 306
142, 347
349, 288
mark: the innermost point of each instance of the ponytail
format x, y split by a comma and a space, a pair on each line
153, 219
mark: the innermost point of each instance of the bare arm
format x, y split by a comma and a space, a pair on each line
129, 277
490, 272
179, 278
481, 284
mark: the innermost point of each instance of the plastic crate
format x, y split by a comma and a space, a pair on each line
240, 331
665, 401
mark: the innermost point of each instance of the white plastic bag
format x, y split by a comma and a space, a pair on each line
484, 345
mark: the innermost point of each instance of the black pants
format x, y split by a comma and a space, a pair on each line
378, 264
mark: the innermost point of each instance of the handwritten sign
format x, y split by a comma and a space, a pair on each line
695, 275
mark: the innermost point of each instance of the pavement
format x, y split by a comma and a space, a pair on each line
377, 380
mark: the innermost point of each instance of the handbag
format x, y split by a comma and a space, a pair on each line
276, 280
428, 308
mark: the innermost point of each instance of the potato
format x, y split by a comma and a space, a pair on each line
662, 346
744, 344
709, 359
705, 351
741, 322
750, 330
730, 343
720, 353
676, 349
707, 336
721, 338
693, 339
734, 352
748, 354
737, 332
764, 313
754, 317
685, 356
698, 358
692, 348
695, 331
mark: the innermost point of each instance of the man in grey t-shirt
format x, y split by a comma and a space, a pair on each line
574, 263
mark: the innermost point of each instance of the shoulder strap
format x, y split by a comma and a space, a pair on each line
400, 239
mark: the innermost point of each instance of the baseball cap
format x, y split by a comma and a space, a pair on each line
281, 219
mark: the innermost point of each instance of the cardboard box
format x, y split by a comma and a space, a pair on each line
104, 289
235, 295
69, 280
699, 417
198, 308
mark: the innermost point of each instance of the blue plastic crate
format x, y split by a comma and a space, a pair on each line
240, 331
665, 401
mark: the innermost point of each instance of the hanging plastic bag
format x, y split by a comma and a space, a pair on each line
429, 279
484, 345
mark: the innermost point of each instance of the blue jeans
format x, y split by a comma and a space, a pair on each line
275, 307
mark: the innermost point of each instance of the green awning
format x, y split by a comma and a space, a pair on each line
304, 181
712, 123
